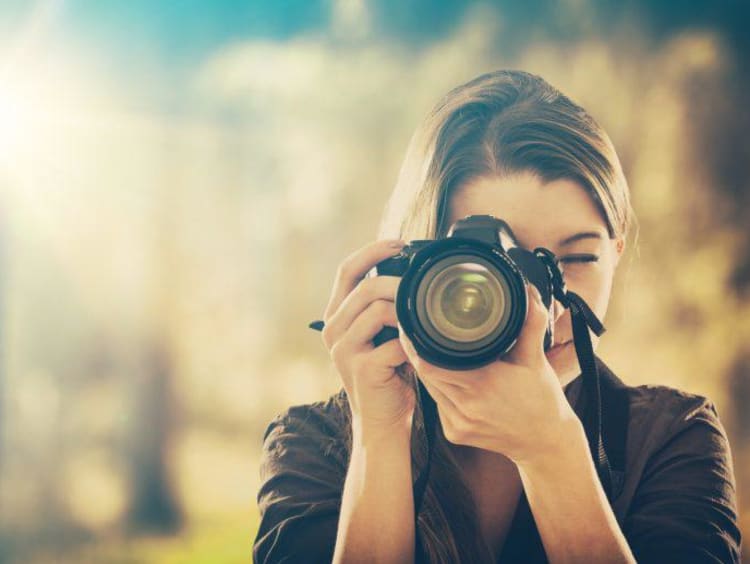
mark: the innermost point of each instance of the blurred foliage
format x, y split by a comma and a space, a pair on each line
177, 189
204, 542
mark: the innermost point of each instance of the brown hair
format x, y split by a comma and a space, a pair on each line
498, 124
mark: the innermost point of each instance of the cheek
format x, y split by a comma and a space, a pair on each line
594, 284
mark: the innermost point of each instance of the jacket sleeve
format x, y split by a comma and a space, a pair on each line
684, 509
302, 474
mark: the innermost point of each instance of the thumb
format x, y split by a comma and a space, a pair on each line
529, 348
408, 346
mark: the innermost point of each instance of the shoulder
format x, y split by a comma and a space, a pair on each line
302, 469
321, 418
676, 443
306, 433
667, 424
659, 412
676, 438
679, 496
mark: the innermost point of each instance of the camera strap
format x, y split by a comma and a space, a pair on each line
582, 319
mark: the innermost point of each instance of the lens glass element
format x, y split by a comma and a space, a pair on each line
465, 302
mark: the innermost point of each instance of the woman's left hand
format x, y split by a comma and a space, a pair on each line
514, 406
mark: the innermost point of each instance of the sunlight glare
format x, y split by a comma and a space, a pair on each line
16, 124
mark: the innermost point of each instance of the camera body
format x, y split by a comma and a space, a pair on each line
462, 299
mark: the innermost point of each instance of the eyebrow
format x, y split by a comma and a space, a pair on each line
578, 236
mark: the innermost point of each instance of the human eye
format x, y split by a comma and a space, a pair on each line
578, 258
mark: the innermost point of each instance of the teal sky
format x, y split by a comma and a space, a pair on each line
152, 47
175, 30
178, 32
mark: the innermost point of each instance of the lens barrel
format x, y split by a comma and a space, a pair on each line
462, 302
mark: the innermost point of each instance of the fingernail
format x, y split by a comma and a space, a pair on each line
397, 244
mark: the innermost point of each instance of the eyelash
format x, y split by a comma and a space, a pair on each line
573, 259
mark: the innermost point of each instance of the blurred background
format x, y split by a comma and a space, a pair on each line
179, 180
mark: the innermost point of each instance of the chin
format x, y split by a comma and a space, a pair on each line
564, 362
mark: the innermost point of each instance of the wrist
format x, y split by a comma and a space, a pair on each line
567, 445
367, 432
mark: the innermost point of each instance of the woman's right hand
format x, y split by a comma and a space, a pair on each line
358, 309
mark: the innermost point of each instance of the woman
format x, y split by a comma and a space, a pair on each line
338, 475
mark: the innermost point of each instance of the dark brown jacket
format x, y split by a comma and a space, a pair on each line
676, 504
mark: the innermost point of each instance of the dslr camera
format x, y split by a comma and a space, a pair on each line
462, 299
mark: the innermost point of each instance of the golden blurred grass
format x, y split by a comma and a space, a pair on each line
222, 539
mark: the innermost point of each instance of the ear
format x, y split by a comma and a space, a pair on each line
619, 248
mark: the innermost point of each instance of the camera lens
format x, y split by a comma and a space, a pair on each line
465, 302
462, 298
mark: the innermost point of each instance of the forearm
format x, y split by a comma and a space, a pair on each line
571, 511
376, 522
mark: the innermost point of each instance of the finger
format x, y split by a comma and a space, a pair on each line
390, 354
367, 291
376, 315
355, 267
453, 378
529, 348
440, 395
450, 416
419, 364
408, 347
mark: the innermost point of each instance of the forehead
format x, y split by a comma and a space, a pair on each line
535, 210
